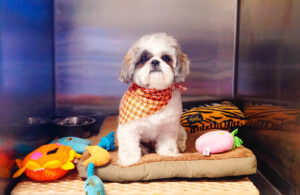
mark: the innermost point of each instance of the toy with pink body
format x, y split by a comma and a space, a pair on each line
217, 141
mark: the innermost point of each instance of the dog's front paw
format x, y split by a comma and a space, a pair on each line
128, 160
129, 156
181, 146
167, 150
181, 139
181, 143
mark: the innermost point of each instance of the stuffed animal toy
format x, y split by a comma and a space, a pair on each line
7, 152
93, 185
215, 116
77, 144
6, 164
47, 163
99, 156
108, 142
217, 142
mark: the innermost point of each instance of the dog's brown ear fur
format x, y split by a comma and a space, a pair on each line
127, 69
182, 68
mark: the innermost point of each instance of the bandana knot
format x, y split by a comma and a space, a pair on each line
139, 102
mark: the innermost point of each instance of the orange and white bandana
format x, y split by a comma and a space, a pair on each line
139, 102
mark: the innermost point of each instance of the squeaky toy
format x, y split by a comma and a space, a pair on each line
217, 141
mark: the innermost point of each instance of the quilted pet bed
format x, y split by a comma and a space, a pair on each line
191, 164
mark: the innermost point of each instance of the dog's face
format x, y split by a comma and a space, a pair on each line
155, 61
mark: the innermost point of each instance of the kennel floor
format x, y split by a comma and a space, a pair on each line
73, 184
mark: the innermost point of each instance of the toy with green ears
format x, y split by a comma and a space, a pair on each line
237, 142
217, 141
99, 156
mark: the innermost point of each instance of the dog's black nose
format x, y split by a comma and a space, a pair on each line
155, 63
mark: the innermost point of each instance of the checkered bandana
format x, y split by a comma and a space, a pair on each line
139, 102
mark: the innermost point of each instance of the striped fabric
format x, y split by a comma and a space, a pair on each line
139, 102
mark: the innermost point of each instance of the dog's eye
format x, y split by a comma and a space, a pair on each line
165, 58
143, 59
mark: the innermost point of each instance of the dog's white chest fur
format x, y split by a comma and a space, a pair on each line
162, 127
152, 126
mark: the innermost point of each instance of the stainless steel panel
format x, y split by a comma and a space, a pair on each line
26, 76
268, 73
26, 60
268, 66
92, 36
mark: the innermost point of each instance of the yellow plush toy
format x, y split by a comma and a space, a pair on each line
99, 156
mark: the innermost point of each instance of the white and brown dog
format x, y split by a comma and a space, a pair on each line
150, 109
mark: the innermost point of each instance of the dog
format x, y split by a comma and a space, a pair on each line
150, 109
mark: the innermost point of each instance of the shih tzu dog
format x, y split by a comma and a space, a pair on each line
151, 107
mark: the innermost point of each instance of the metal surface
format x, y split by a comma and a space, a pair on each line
268, 73
269, 57
26, 61
78, 126
26, 76
74, 121
263, 185
92, 37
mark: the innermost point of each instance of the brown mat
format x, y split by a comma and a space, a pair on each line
110, 124
191, 164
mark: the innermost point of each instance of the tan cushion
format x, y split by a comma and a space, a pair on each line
191, 164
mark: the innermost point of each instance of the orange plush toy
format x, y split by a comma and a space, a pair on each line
47, 163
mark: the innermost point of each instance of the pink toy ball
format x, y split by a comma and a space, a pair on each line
215, 142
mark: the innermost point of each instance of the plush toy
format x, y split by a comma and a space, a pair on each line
93, 185
77, 144
99, 156
7, 152
108, 142
6, 164
47, 163
215, 116
217, 142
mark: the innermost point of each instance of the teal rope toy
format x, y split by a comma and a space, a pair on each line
94, 185
108, 142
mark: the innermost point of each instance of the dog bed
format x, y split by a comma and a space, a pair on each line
191, 164
73, 185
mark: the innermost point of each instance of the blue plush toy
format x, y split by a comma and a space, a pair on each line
108, 142
93, 185
76, 143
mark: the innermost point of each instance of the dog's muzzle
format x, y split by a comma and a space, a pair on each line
155, 66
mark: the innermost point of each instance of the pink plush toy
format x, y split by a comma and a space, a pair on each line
217, 142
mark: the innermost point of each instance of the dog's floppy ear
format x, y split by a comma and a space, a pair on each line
127, 69
182, 68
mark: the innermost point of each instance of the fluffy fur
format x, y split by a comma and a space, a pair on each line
154, 61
